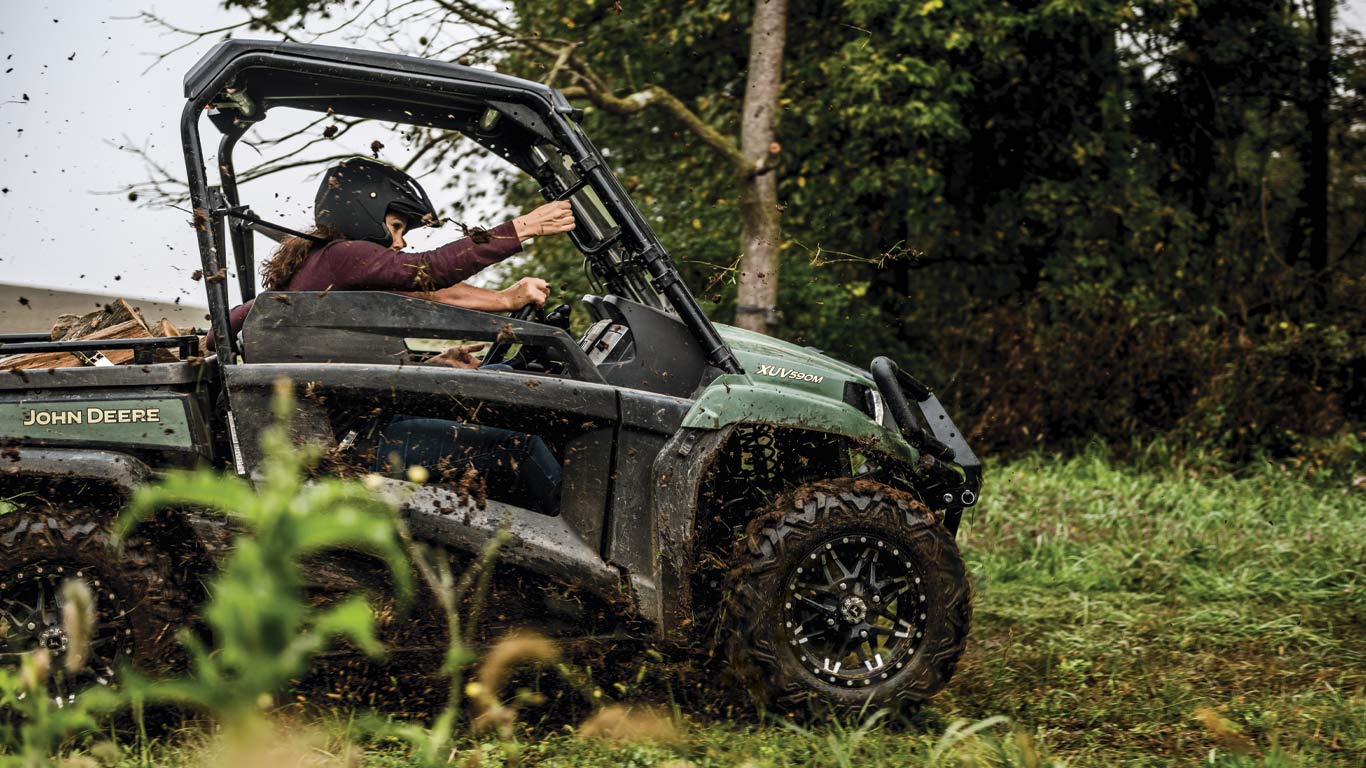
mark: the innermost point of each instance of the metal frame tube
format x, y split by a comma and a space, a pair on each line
239, 236
211, 260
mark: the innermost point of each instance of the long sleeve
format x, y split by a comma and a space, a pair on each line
358, 265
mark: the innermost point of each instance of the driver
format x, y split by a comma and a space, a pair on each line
362, 212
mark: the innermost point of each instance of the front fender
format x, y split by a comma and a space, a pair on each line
737, 399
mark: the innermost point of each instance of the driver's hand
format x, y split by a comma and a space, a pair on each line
461, 356
549, 219
528, 290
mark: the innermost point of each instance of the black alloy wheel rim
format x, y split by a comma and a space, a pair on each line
854, 610
31, 618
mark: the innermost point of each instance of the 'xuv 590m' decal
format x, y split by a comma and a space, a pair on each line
789, 373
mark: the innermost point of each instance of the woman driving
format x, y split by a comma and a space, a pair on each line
362, 211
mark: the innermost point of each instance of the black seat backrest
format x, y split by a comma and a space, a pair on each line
372, 326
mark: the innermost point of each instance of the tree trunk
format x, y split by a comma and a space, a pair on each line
757, 288
1317, 177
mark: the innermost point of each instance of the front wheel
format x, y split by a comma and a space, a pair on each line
848, 594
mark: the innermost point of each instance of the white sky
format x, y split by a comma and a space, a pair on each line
58, 148
59, 155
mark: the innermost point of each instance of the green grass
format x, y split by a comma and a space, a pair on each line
1169, 616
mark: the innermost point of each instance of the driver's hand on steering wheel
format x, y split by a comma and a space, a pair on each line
528, 290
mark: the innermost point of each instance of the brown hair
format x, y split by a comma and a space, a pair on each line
290, 256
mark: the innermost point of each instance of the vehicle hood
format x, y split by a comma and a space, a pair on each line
792, 386
772, 360
755, 350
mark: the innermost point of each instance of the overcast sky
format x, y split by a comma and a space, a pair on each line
79, 84
80, 79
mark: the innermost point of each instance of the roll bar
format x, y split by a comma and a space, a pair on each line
315, 76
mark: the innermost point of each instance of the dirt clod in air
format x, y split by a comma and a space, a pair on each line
375, 147
477, 234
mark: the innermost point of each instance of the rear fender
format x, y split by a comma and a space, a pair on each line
117, 471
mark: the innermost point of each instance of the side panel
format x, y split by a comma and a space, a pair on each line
678, 474
583, 414
647, 423
159, 422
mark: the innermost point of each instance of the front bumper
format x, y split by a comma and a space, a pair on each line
954, 471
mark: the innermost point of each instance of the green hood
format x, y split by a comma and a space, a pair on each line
787, 385
754, 349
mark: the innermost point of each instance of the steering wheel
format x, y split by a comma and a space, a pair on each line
499, 349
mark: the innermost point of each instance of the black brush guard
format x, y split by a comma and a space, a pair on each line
928, 428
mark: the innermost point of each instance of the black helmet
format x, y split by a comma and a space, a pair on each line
356, 193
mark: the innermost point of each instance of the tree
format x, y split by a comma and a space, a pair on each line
565, 57
1316, 181
757, 292
1087, 211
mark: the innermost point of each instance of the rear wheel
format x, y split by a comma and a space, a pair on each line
140, 592
849, 594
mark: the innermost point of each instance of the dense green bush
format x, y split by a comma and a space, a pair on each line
1079, 220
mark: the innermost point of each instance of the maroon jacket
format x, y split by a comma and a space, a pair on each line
357, 265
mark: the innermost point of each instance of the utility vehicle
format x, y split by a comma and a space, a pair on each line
717, 483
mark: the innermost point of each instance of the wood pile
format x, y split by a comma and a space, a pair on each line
117, 320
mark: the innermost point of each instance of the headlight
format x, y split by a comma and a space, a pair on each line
878, 409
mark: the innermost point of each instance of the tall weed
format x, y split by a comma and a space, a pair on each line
264, 631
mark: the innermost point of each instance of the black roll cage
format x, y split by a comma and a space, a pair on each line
227, 83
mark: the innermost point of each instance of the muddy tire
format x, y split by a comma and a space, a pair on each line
848, 594
143, 592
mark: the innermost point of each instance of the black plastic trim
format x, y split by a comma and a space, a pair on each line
112, 467
186, 344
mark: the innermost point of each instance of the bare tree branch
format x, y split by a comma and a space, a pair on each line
194, 36
654, 96
593, 87
266, 169
431, 143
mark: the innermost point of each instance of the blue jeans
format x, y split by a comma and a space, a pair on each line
517, 468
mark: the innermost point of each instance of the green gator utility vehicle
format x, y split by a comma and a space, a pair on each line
716, 483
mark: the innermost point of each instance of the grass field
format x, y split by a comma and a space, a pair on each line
1169, 616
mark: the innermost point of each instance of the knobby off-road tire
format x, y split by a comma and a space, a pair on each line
143, 592
833, 560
